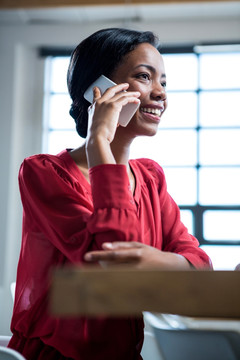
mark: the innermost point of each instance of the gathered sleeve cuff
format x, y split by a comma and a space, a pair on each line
110, 187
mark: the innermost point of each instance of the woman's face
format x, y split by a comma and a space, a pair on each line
143, 70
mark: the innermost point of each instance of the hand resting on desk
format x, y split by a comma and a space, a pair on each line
139, 255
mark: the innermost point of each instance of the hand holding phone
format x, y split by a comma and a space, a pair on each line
103, 83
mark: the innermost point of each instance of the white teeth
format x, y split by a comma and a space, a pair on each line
152, 111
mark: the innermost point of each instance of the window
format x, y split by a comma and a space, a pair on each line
58, 126
197, 143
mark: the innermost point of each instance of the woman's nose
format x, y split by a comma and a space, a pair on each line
158, 92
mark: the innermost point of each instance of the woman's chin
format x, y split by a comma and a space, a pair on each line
149, 129
142, 128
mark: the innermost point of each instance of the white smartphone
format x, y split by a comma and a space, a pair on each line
103, 83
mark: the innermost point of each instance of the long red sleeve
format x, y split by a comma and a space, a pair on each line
61, 207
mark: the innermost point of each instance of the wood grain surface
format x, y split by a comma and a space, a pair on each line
124, 291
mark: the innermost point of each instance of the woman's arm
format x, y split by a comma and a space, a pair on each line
57, 205
104, 122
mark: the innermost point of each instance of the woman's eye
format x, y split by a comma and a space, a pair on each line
164, 84
144, 76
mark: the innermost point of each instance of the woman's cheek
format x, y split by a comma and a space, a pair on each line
165, 104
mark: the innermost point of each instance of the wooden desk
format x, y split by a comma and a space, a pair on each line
91, 291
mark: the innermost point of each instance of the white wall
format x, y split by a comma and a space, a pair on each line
21, 74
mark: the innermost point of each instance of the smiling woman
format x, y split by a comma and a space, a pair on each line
93, 204
144, 71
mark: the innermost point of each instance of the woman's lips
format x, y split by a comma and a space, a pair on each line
152, 112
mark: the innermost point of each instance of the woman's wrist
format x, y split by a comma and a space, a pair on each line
98, 151
175, 261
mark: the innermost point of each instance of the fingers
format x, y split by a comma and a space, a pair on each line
116, 89
115, 93
117, 252
124, 97
111, 91
96, 94
113, 256
122, 245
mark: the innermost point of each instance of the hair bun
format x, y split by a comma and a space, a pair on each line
74, 111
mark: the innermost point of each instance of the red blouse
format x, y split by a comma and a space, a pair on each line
63, 218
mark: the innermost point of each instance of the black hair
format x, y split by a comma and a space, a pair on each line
99, 54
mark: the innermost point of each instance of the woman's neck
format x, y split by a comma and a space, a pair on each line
120, 148
79, 157
121, 155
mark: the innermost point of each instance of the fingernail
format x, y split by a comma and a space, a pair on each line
88, 257
109, 245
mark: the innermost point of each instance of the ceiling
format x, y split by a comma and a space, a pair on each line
127, 12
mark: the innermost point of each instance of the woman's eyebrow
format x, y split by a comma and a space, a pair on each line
151, 68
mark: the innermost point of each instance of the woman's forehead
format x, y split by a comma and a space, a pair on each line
143, 55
